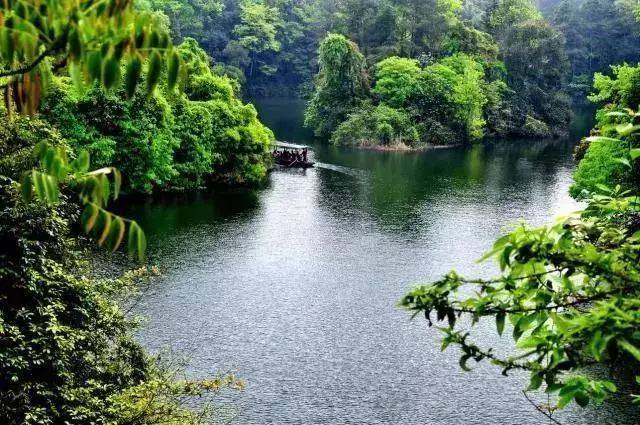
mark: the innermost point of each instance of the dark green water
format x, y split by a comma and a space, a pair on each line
295, 286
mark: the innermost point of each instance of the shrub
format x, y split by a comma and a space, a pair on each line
451, 91
18, 136
68, 353
622, 89
434, 133
600, 166
535, 128
209, 86
380, 125
397, 81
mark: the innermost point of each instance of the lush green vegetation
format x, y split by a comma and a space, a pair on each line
603, 162
567, 292
272, 45
342, 84
166, 140
68, 353
455, 81
439, 104
598, 33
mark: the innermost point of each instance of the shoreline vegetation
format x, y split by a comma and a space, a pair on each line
401, 147
477, 81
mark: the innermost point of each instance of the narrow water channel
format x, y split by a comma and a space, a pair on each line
294, 286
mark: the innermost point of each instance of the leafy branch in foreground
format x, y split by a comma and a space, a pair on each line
94, 40
92, 37
94, 188
570, 292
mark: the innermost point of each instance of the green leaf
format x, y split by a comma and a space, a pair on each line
76, 76
110, 72
40, 150
623, 161
153, 73
75, 46
82, 162
89, 217
134, 69
617, 114
6, 39
116, 235
173, 68
627, 129
634, 153
94, 65
610, 386
602, 139
500, 318
523, 324
105, 188
463, 363
582, 399
117, 183
106, 226
535, 383
629, 348
45, 187
137, 243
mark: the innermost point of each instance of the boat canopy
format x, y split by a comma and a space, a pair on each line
284, 145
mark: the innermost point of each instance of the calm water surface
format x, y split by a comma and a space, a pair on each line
295, 286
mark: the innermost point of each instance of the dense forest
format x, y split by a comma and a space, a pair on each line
103, 97
272, 45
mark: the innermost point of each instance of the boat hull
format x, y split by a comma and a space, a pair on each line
296, 164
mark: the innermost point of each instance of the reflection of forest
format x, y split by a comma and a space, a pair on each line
400, 186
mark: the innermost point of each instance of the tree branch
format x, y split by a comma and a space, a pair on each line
539, 409
28, 67
54, 47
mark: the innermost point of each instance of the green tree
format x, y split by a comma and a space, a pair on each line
376, 126
397, 80
451, 92
468, 94
614, 24
601, 164
536, 68
160, 141
504, 14
341, 84
257, 30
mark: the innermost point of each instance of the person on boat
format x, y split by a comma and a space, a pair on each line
304, 154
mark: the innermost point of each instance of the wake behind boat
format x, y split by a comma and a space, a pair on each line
290, 155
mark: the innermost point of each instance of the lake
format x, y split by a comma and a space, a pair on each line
294, 286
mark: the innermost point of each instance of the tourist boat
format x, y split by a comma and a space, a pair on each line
289, 155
